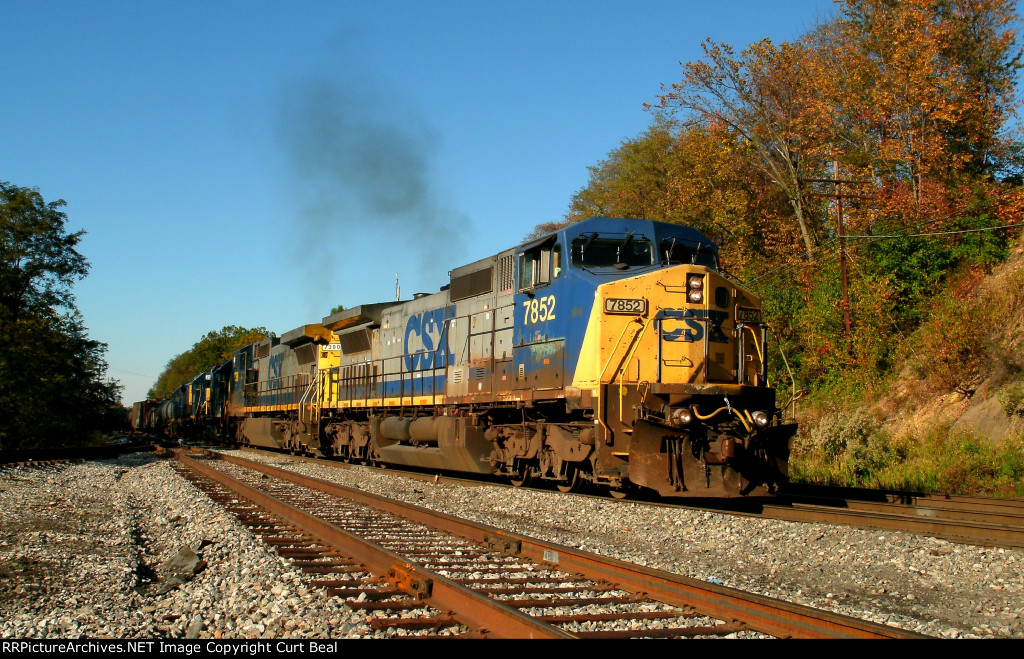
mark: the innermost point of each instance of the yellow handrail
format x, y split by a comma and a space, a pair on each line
625, 363
601, 405
760, 352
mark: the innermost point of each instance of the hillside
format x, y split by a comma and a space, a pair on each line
951, 418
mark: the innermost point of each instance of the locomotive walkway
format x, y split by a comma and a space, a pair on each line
418, 571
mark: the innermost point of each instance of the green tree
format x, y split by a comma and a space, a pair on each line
214, 348
38, 260
54, 389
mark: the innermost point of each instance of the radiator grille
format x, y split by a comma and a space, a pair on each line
357, 341
506, 274
471, 284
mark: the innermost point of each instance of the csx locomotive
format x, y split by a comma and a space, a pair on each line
612, 352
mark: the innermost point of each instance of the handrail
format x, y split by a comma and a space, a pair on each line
757, 346
625, 363
602, 406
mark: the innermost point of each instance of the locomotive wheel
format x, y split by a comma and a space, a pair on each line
573, 480
619, 493
521, 475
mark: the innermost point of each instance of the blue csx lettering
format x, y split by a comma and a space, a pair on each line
426, 340
693, 324
276, 362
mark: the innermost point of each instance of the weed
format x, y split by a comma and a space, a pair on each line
1011, 398
852, 450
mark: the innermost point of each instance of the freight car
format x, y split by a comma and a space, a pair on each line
142, 412
613, 352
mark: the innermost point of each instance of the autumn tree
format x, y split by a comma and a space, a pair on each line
914, 100
762, 98
924, 91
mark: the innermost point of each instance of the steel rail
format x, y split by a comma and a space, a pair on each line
964, 528
472, 609
961, 519
49, 456
764, 614
952, 504
950, 512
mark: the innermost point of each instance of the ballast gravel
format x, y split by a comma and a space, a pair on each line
82, 546
84, 549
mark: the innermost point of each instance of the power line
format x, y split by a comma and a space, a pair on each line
817, 254
120, 370
938, 233
820, 252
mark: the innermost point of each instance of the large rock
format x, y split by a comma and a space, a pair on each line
178, 569
986, 420
184, 565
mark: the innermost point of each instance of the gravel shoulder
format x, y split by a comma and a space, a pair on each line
83, 547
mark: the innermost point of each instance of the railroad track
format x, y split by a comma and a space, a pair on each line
416, 571
47, 457
963, 519
983, 521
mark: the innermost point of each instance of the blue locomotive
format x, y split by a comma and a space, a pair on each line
612, 352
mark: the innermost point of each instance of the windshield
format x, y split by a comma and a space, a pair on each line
592, 251
675, 253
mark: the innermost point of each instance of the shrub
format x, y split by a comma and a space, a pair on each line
844, 448
853, 450
1011, 398
953, 345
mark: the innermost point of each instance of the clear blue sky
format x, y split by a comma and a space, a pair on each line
256, 163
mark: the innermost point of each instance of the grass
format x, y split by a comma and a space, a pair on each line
854, 451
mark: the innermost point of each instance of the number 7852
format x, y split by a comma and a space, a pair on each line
539, 310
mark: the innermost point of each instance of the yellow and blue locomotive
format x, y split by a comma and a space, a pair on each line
612, 351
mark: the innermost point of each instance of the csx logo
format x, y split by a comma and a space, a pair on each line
276, 362
426, 340
692, 324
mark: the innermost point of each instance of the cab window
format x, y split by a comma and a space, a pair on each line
527, 270
594, 251
674, 252
535, 266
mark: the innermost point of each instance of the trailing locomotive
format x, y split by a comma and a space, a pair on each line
612, 351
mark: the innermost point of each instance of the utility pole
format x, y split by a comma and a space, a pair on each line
842, 261
838, 195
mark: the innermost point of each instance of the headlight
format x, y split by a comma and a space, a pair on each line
681, 416
695, 284
761, 419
